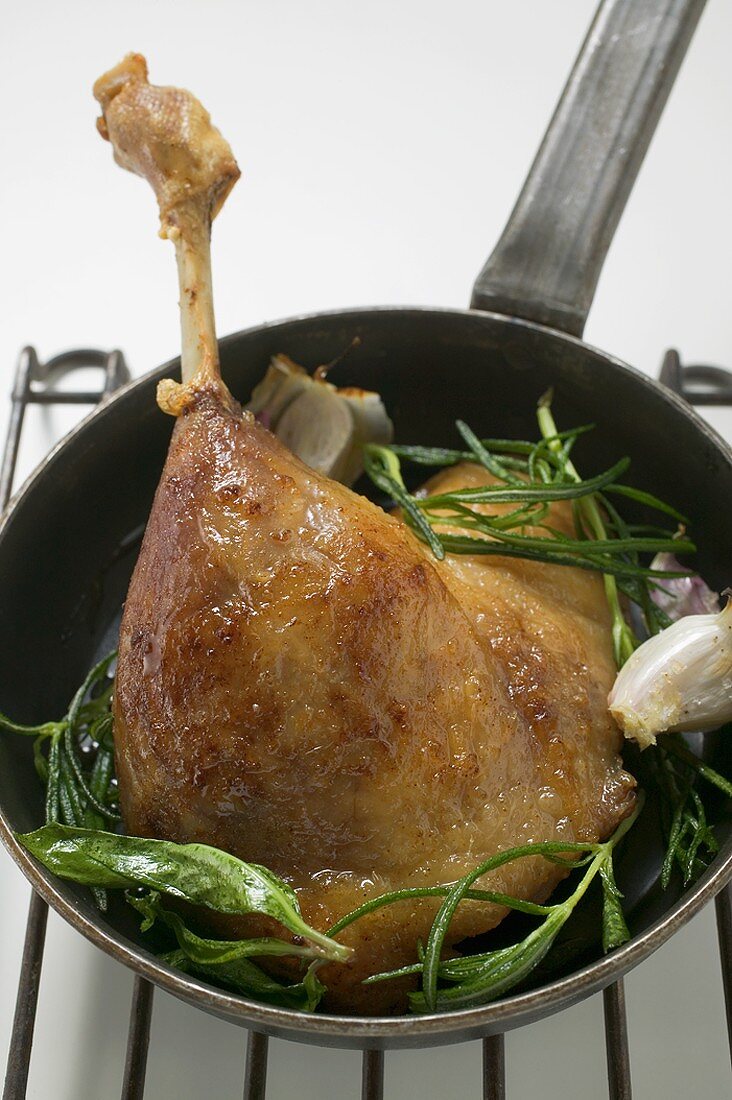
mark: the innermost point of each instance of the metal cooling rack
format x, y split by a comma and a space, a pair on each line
35, 384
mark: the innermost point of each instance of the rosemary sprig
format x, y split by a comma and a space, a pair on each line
74, 758
673, 771
476, 979
382, 466
483, 978
623, 639
533, 475
444, 456
676, 747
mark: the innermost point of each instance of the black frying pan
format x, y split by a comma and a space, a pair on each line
68, 540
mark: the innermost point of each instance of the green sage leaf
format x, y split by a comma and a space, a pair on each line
194, 872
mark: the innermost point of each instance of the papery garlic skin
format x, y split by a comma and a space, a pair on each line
323, 425
679, 596
677, 681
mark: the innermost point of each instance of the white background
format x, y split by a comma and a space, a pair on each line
382, 146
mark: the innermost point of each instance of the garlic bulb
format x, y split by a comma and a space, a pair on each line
324, 426
679, 680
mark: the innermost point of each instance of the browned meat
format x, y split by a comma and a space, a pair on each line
299, 682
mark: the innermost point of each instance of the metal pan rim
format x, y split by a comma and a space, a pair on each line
358, 1031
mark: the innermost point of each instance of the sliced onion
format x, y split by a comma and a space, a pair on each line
323, 425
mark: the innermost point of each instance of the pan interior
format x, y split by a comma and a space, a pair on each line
70, 542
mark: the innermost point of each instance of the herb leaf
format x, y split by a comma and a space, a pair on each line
196, 873
244, 976
211, 951
495, 973
383, 468
227, 962
614, 927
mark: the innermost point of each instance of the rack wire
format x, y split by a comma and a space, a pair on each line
35, 384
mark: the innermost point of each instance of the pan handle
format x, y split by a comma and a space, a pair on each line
546, 265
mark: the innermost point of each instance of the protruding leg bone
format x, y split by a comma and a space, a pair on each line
166, 136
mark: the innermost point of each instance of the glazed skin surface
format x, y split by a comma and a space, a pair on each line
302, 684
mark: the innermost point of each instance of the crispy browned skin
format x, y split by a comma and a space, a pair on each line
300, 683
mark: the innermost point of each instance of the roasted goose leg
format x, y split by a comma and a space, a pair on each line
301, 683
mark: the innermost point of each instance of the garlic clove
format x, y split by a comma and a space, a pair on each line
679, 680
323, 425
